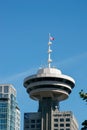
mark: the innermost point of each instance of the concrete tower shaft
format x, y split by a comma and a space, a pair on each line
49, 86
49, 83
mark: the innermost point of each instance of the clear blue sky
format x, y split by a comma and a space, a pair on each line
24, 28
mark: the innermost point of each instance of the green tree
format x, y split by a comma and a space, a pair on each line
83, 95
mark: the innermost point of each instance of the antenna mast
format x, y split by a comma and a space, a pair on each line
49, 50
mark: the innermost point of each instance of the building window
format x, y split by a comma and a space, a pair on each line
61, 119
38, 125
32, 121
55, 120
67, 129
0, 88
5, 89
38, 121
26, 126
55, 125
6, 95
0, 95
67, 125
61, 125
32, 126
67, 119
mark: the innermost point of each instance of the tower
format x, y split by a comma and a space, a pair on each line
9, 110
49, 86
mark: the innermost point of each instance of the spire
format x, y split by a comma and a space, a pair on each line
49, 50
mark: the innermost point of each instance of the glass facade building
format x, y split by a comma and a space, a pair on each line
9, 110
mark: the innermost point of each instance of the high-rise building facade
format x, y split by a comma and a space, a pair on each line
49, 86
9, 110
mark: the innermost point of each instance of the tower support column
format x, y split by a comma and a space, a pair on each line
46, 106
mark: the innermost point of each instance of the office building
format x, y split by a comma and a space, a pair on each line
49, 86
9, 110
59, 121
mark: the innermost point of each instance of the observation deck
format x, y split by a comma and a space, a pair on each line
49, 82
